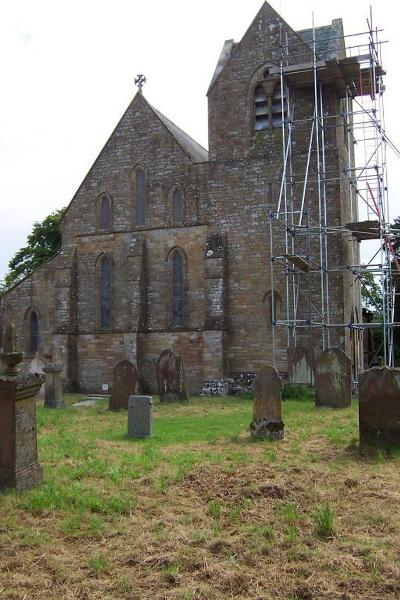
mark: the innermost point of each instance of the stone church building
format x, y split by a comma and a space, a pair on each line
166, 244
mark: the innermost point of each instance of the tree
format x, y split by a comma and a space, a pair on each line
42, 244
371, 294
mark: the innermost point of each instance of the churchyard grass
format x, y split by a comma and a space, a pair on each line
201, 510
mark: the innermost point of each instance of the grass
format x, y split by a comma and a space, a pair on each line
323, 519
201, 510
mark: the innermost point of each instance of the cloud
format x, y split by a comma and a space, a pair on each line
25, 37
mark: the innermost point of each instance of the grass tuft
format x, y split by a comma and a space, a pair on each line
323, 520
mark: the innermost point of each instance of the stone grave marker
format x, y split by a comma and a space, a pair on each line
267, 409
333, 379
125, 384
171, 378
140, 416
300, 364
379, 407
19, 464
53, 396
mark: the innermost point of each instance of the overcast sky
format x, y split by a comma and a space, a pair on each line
67, 75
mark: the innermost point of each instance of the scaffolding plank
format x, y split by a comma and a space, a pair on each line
364, 230
298, 261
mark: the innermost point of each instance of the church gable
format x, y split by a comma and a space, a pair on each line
145, 140
262, 42
265, 44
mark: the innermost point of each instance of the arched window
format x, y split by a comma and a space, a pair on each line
33, 333
105, 212
261, 117
177, 289
279, 103
105, 293
140, 197
177, 206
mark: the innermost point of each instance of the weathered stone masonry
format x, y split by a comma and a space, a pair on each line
223, 292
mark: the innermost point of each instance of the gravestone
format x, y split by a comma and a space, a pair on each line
53, 397
19, 465
125, 384
170, 378
333, 379
379, 407
140, 416
267, 409
300, 365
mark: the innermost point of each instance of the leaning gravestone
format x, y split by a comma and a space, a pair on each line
170, 378
267, 409
19, 465
379, 407
53, 397
333, 379
140, 416
125, 384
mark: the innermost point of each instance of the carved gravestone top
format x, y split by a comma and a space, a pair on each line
379, 407
171, 378
125, 384
267, 408
333, 379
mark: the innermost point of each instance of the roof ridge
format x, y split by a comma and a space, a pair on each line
195, 151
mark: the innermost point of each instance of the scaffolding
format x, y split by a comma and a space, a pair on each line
312, 249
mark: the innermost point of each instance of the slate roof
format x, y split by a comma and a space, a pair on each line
193, 149
327, 44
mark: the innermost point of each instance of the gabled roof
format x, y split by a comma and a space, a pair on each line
193, 149
329, 42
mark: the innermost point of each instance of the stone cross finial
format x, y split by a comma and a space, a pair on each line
140, 80
10, 356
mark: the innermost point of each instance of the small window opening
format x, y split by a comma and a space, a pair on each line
260, 109
105, 212
105, 293
177, 289
33, 333
140, 191
279, 102
177, 207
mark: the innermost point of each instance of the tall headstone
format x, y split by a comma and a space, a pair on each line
125, 384
53, 396
379, 407
333, 379
300, 363
19, 464
140, 416
267, 409
171, 378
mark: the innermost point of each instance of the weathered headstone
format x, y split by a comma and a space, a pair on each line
333, 379
379, 407
170, 377
267, 409
140, 416
125, 384
53, 396
300, 364
19, 465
